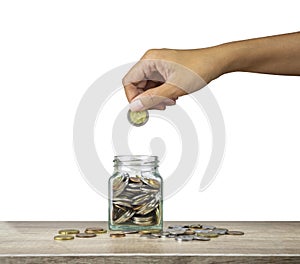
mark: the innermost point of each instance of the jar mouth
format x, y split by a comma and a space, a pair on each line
135, 160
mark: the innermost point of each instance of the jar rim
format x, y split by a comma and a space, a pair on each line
136, 159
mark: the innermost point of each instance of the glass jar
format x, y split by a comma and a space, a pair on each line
135, 194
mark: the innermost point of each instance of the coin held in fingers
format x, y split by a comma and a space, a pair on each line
139, 118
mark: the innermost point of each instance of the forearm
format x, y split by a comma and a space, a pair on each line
272, 55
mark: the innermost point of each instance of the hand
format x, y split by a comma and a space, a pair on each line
161, 76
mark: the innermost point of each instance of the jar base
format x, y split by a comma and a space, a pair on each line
134, 227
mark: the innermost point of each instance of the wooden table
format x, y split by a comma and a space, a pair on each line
263, 242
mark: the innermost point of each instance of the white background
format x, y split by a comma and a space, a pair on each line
52, 51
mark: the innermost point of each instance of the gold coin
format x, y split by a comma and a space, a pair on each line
130, 232
63, 237
85, 235
195, 226
139, 118
68, 231
154, 231
117, 235
145, 232
210, 235
189, 232
235, 233
95, 230
135, 179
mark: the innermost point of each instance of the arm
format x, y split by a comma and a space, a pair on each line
272, 55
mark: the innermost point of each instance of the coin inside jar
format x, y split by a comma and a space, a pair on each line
138, 118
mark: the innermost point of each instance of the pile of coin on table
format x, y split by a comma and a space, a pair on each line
68, 234
180, 233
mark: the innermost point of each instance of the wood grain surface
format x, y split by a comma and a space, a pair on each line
263, 242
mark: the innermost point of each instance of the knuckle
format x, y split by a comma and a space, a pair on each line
152, 53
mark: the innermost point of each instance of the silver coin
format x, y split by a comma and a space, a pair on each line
201, 238
220, 231
158, 235
130, 232
135, 185
177, 227
184, 238
201, 231
195, 226
176, 232
125, 217
164, 234
122, 199
145, 235
151, 182
149, 190
208, 227
235, 233
139, 118
153, 236
121, 203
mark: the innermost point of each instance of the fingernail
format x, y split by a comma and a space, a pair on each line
169, 102
136, 105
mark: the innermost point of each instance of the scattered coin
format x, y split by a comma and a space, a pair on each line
171, 236
85, 235
210, 235
95, 230
68, 232
153, 236
220, 231
176, 232
197, 226
130, 232
63, 237
177, 227
199, 238
237, 233
184, 238
164, 234
145, 235
156, 235
154, 231
117, 235
145, 232
208, 227
189, 232
201, 231
179, 233
139, 118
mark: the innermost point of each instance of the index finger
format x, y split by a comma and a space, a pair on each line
131, 91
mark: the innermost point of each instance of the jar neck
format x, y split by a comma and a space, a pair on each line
136, 163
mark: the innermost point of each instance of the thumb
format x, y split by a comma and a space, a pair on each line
151, 98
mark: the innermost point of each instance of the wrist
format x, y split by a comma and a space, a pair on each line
229, 58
